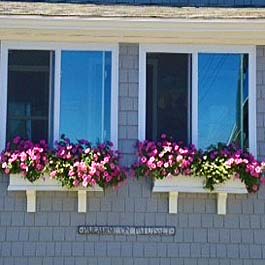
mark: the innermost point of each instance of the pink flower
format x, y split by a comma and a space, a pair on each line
39, 167
108, 179
87, 150
143, 159
112, 166
258, 170
71, 172
68, 156
153, 166
176, 171
24, 167
167, 148
17, 140
92, 171
151, 159
76, 183
179, 158
163, 136
106, 159
53, 174
166, 165
23, 156
159, 164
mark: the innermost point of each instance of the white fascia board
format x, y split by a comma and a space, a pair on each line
132, 30
130, 24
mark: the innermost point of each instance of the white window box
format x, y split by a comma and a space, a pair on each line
18, 183
175, 184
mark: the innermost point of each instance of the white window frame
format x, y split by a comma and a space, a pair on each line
57, 48
194, 50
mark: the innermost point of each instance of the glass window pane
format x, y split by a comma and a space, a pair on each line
167, 99
28, 94
223, 99
85, 95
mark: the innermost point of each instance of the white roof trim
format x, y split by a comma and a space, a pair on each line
133, 30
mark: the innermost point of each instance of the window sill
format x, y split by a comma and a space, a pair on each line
18, 183
175, 184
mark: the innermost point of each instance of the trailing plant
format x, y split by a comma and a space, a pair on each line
81, 164
164, 157
218, 164
72, 164
25, 157
221, 162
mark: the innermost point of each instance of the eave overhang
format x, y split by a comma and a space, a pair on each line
159, 25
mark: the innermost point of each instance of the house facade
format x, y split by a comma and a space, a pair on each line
125, 73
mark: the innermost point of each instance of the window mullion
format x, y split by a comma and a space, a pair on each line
194, 100
114, 97
3, 93
142, 95
51, 98
57, 92
252, 103
102, 98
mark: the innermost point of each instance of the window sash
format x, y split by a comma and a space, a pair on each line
83, 96
30, 67
194, 50
57, 48
161, 98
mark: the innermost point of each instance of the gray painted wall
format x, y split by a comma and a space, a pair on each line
197, 3
49, 236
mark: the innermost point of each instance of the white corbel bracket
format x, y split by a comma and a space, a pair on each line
173, 202
82, 201
31, 201
221, 203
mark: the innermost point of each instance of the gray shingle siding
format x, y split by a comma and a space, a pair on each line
195, 3
50, 236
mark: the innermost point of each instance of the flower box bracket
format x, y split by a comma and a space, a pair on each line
173, 185
18, 183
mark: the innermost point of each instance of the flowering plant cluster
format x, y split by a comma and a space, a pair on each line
83, 165
159, 159
73, 165
216, 165
25, 157
220, 163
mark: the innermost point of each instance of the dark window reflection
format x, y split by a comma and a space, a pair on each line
29, 82
223, 99
167, 99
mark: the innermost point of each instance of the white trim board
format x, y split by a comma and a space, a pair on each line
58, 48
194, 50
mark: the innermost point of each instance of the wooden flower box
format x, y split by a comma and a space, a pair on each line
190, 184
18, 183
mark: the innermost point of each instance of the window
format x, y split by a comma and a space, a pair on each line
53, 89
198, 95
85, 95
223, 99
168, 91
28, 93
